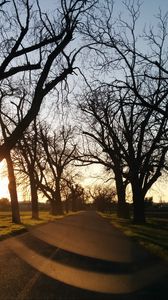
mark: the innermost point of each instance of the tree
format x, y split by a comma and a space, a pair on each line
23, 154
139, 81
75, 198
117, 44
98, 106
11, 175
104, 198
4, 204
26, 159
59, 151
145, 133
135, 140
37, 54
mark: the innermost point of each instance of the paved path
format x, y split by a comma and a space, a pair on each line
78, 257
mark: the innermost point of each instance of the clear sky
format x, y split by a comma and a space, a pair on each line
149, 10
149, 7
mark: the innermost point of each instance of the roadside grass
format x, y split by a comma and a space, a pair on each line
153, 235
7, 228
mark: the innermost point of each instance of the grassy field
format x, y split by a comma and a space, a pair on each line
153, 235
7, 228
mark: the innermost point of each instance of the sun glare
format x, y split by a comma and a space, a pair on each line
3, 181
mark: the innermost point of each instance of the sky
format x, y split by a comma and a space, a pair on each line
148, 10
149, 7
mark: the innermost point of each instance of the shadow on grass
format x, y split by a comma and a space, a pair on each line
13, 233
153, 235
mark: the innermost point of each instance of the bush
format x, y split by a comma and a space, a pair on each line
4, 204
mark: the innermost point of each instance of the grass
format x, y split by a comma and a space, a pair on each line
7, 228
153, 235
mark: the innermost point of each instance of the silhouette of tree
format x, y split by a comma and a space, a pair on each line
134, 138
27, 154
36, 53
12, 187
138, 79
104, 198
97, 106
59, 151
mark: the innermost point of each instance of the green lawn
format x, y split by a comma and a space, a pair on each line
153, 235
7, 228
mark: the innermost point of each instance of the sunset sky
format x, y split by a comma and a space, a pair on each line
148, 10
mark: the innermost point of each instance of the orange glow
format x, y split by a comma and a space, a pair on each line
3, 181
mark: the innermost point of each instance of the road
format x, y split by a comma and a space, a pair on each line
79, 257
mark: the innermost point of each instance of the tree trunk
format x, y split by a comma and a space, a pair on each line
138, 202
122, 208
13, 190
67, 206
53, 210
56, 203
56, 208
34, 196
74, 202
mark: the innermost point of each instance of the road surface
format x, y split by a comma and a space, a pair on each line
79, 257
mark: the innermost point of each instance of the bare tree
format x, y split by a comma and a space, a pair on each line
12, 187
59, 152
145, 133
138, 78
98, 107
75, 197
27, 154
22, 158
117, 43
104, 198
135, 140
35, 52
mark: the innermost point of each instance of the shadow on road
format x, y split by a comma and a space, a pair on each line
62, 274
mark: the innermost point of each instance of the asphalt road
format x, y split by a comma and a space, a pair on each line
79, 257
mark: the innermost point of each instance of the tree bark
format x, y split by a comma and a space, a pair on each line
56, 203
53, 210
67, 206
58, 198
138, 202
74, 202
34, 196
122, 208
56, 208
13, 190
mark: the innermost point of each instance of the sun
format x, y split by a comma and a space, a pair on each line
3, 181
